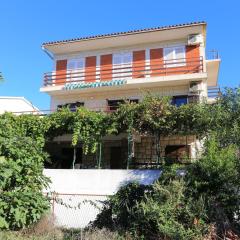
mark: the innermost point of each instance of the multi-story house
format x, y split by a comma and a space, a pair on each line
99, 72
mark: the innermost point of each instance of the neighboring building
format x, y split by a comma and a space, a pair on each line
98, 72
17, 105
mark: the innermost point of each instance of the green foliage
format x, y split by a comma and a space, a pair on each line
160, 211
193, 119
226, 114
215, 178
86, 126
153, 114
209, 194
119, 210
167, 214
181, 207
21, 178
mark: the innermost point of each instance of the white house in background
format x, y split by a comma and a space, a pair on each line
17, 105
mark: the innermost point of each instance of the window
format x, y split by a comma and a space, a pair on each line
114, 104
177, 152
72, 106
76, 69
122, 65
179, 100
174, 56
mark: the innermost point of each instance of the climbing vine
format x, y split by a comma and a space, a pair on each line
22, 141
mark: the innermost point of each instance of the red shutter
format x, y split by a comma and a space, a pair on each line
106, 67
138, 66
193, 59
61, 70
90, 69
156, 62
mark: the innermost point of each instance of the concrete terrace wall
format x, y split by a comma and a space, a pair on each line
80, 189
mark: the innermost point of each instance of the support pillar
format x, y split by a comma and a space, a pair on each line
130, 150
74, 157
99, 155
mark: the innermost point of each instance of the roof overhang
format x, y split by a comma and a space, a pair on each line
125, 39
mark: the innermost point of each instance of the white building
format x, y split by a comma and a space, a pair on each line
17, 105
98, 72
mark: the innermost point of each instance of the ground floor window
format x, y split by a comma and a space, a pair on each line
72, 106
114, 104
177, 153
179, 100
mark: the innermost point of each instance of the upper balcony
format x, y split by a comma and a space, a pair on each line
140, 73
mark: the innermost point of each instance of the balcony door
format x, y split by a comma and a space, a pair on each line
174, 56
122, 65
76, 70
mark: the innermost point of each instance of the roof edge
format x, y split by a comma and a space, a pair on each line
21, 98
116, 34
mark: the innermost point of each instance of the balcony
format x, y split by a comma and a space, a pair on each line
119, 75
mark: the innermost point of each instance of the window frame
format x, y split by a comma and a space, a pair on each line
120, 73
170, 63
78, 73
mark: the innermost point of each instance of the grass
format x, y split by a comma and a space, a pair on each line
95, 234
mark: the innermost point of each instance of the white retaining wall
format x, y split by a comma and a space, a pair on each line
79, 188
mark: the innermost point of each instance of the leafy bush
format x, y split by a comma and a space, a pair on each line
167, 214
215, 178
177, 207
21, 171
160, 211
119, 210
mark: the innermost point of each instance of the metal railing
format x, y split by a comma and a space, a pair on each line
213, 54
107, 109
214, 92
164, 68
75, 210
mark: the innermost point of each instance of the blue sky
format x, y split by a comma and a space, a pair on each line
26, 24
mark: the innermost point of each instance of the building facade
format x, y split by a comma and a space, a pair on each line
99, 72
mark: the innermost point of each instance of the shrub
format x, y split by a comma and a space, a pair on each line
119, 210
167, 214
215, 178
21, 171
160, 211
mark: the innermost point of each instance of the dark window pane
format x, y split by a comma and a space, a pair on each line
114, 104
180, 100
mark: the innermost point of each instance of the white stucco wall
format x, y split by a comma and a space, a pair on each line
81, 189
94, 181
98, 100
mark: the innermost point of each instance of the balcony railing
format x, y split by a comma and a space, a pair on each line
214, 92
106, 109
212, 54
136, 70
